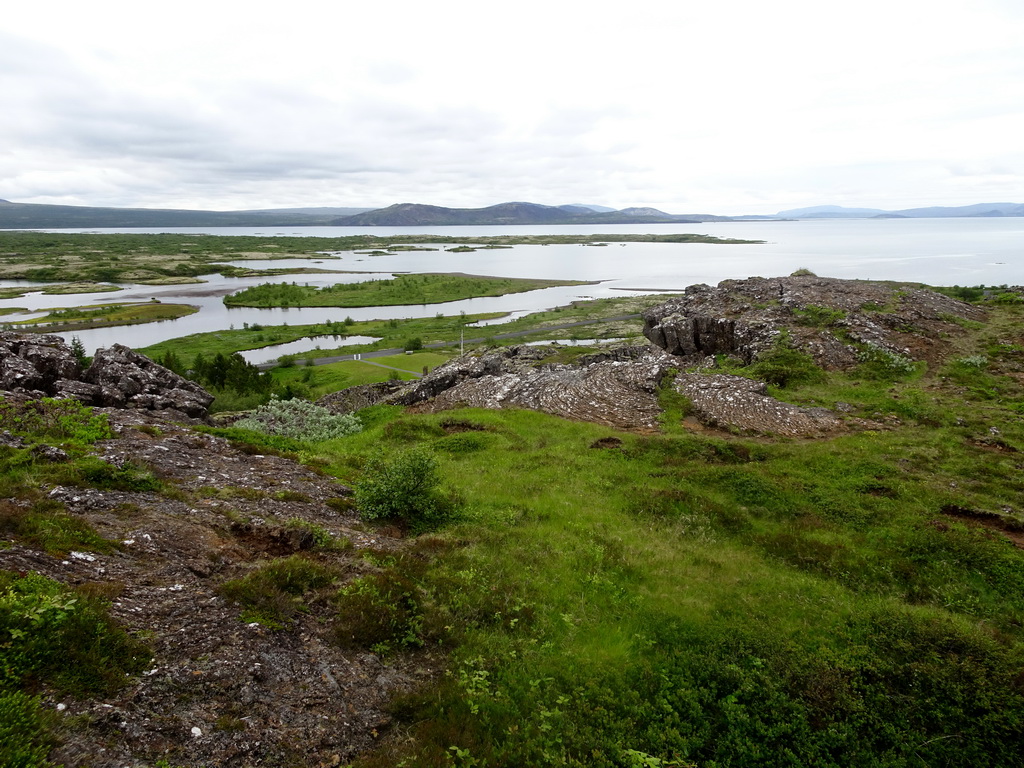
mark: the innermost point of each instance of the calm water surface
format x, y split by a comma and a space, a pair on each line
934, 251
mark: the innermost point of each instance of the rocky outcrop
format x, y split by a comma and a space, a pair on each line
126, 378
825, 317
118, 377
30, 362
742, 404
615, 389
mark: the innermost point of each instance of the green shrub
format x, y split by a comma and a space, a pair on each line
273, 593
785, 366
300, 419
404, 488
25, 739
55, 419
882, 365
65, 639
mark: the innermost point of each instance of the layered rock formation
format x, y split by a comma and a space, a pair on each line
824, 317
118, 377
618, 389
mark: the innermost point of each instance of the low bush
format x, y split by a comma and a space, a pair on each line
403, 488
300, 419
784, 366
54, 635
275, 592
882, 365
25, 738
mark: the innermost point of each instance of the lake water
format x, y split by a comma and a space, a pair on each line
933, 251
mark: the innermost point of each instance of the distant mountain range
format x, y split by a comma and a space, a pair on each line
37, 216
415, 215
935, 212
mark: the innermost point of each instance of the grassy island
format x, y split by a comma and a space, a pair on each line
403, 289
101, 316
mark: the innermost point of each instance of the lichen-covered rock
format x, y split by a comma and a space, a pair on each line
35, 362
825, 317
738, 403
615, 389
118, 377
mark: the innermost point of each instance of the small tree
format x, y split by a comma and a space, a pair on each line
413, 344
78, 350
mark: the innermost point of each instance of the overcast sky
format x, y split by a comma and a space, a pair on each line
720, 106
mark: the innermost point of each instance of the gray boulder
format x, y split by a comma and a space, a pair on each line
128, 379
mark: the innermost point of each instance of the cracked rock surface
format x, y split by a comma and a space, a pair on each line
617, 388
736, 402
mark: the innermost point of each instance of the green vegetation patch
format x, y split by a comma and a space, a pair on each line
403, 289
274, 592
103, 315
56, 637
54, 419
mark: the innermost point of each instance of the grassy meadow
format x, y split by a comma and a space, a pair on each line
700, 599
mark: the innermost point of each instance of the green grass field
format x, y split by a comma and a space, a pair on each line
683, 599
321, 380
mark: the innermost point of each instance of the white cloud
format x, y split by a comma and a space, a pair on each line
736, 106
